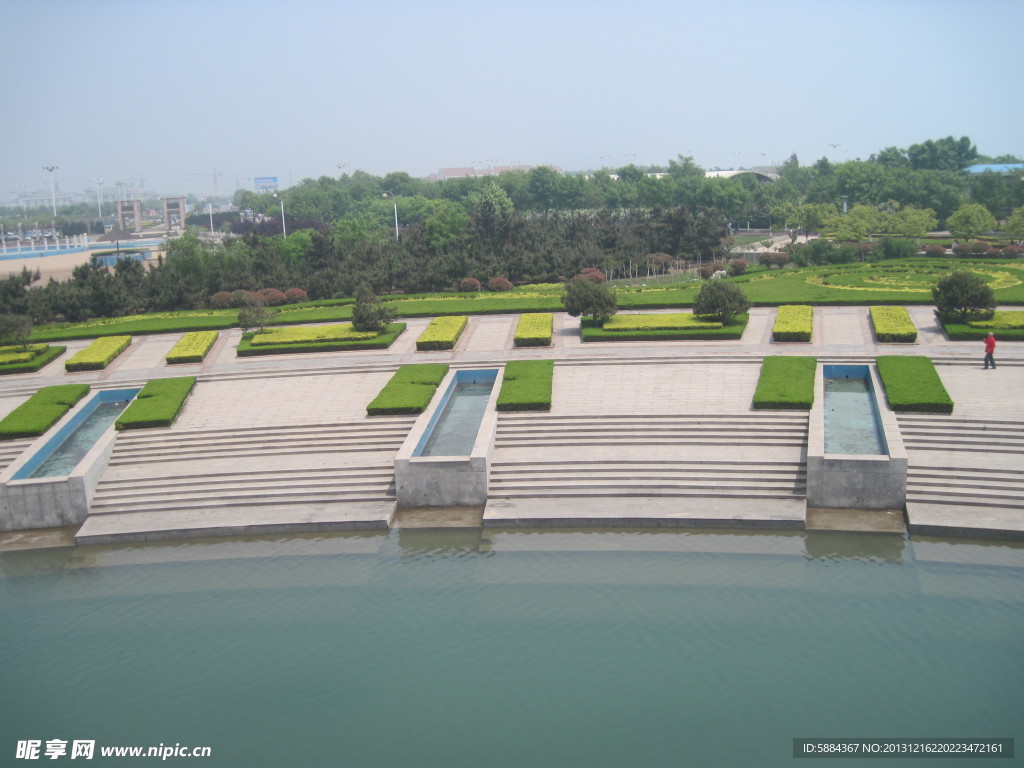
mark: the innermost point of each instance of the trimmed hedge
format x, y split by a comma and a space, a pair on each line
99, 354
534, 330
912, 384
192, 347
383, 341
41, 411
1002, 320
158, 404
311, 334
442, 333
786, 382
893, 324
793, 322
965, 332
732, 330
139, 325
409, 390
33, 362
526, 386
675, 321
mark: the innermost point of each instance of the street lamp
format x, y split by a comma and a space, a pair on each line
395, 201
284, 231
99, 196
53, 195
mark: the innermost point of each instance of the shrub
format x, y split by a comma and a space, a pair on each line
499, 284
793, 323
241, 298
786, 382
16, 360
737, 267
583, 296
158, 404
731, 330
705, 272
893, 324
534, 330
255, 314
994, 253
934, 250
99, 354
310, 334
720, 300
41, 411
295, 295
526, 386
1005, 319
897, 248
192, 347
221, 300
912, 384
961, 296
593, 274
674, 321
977, 247
273, 297
382, 341
442, 333
1012, 251
409, 390
469, 285
369, 312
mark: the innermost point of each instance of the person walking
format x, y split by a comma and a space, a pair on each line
990, 349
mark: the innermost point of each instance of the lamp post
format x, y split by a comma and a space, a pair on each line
99, 197
395, 202
53, 194
284, 231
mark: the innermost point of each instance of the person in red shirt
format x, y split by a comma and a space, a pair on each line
990, 348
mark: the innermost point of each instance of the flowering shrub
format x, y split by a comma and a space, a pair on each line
499, 284
220, 300
295, 295
593, 274
793, 323
893, 324
469, 285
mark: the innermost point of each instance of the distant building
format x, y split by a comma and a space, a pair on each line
762, 172
471, 172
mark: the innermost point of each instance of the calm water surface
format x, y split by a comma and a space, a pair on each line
850, 421
456, 429
67, 455
469, 648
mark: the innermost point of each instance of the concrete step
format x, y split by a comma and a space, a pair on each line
645, 491
677, 469
159, 489
11, 450
163, 436
258, 498
123, 458
606, 439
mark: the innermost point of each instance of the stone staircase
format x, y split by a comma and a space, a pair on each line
308, 477
708, 468
961, 469
10, 450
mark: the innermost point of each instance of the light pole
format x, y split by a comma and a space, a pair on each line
53, 195
99, 197
284, 231
393, 200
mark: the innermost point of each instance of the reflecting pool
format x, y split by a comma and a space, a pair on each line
466, 647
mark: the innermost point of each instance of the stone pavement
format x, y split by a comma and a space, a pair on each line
242, 403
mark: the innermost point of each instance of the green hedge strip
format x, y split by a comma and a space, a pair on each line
158, 404
409, 390
731, 331
794, 322
912, 384
786, 383
534, 329
99, 354
192, 347
442, 333
41, 411
893, 324
383, 341
47, 355
526, 386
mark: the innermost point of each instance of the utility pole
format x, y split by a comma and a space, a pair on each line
53, 194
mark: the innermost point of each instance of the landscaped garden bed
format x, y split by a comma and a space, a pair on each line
158, 404
786, 383
138, 325
409, 390
344, 341
192, 347
442, 333
680, 326
893, 324
41, 411
17, 359
99, 354
526, 386
1007, 325
793, 322
534, 330
912, 384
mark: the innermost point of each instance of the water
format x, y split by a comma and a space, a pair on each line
466, 648
67, 455
455, 430
850, 422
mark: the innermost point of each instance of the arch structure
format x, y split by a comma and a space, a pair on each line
761, 174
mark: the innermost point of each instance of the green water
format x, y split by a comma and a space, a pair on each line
470, 648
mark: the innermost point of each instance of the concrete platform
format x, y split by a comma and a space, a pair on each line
971, 522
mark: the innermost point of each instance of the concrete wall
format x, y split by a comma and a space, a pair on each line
447, 481
846, 481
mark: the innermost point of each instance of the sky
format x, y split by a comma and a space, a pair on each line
172, 93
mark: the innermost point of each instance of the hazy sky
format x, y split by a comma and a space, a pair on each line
170, 91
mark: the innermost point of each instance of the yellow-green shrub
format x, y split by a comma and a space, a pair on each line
675, 321
192, 347
793, 322
534, 330
893, 324
442, 333
99, 354
310, 334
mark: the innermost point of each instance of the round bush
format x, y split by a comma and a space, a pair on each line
469, 285
220, 300
499, 284
706, 272
934, 250
240, 298
273, 297
1012, 251
593, 274
737, 267
295, 295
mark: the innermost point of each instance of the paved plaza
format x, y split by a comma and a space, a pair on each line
640, 433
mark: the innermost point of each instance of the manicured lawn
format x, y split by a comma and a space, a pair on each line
526, 386
158, 404
409, 390
786, 383
912, 384
41, 411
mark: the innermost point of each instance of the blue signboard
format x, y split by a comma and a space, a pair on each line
265, 183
